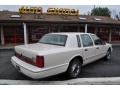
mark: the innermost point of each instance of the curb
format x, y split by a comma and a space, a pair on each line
79, 81
95, 81
29, 82
6, 48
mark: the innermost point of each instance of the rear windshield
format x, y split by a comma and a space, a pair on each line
54, 39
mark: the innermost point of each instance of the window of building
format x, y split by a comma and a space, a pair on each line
98, 19
82, 18
115, 35
15, 16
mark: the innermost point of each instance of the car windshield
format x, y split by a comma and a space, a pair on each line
54, 39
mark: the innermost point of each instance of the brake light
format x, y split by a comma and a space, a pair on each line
40, 61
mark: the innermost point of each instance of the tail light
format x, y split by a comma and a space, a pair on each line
40, 61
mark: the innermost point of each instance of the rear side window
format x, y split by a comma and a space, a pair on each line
86, 40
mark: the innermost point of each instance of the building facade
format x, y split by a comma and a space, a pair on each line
16, 28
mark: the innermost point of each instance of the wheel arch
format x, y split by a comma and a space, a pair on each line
109, 49
79, 57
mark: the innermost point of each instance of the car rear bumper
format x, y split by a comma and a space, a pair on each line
33, 71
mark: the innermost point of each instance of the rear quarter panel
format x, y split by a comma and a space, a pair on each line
62, 57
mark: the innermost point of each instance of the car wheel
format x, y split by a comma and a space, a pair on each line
74, 68
108, 55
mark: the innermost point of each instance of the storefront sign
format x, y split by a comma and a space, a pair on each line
30, 10
51, 11
62, 11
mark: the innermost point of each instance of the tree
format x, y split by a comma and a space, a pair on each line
98, 11
117, 16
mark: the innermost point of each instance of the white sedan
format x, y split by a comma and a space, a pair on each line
60, 52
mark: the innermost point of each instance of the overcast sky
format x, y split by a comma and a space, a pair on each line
84, 9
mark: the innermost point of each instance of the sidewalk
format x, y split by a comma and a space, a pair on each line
6, 47
79, 81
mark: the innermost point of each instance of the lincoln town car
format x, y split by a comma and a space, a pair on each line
61, 52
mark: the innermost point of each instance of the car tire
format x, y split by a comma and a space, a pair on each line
108, 55
74, 68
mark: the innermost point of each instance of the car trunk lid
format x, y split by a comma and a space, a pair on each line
29, 52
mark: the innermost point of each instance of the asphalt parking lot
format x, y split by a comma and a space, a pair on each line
99, 68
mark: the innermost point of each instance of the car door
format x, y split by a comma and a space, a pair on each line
88, 48
99, 46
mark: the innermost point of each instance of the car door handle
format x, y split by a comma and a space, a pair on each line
86, 49
97, 47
